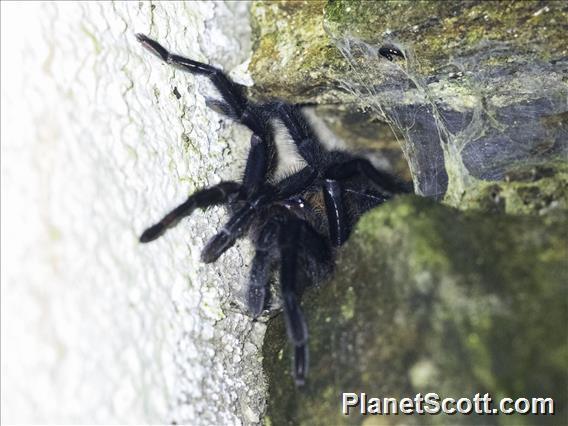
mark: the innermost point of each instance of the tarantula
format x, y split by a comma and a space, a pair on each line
296, 223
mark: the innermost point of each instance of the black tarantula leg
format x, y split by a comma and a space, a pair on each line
387, 183
235, 102
226, 237
233, 229
309, 147
215, 195
336, 216
258, 281
316, 244
301, 363
295, 322
296, 182
261, 266
257, 166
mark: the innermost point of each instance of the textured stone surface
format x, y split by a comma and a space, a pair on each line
99, 139
292, 56
430, 299
438, 30
537, 190
481, 91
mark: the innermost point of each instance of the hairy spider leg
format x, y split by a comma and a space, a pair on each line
336, 215
240, 222
315, 244
301, 363
231, 92
265, 245
289, 238
215, 195
308, 144
388, 184
264, 258
234, 105
296, 182
333, 192
257, 167
261, 161
235, 228
316, 156
258, 282
254, 174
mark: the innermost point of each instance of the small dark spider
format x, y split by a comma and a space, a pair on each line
295, 223
388, 51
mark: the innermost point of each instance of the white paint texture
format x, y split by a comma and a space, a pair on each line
97, 328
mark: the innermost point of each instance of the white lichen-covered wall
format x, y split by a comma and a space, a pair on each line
97, 328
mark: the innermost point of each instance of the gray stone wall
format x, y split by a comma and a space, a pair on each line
99, 139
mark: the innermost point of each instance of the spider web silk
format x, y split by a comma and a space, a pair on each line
467, 123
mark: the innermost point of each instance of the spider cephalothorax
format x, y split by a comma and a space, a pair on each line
295, 223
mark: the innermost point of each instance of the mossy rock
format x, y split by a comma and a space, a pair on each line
481, 91
293, 57
440, 30
427, 298
537, 190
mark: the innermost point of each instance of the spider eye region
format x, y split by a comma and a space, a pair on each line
294, 203
296, 206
